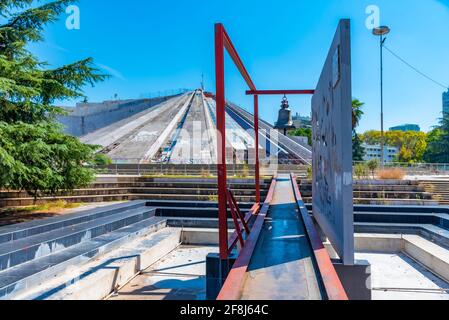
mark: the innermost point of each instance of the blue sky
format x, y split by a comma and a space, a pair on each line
157, 45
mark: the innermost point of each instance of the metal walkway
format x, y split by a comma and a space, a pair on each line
282, 266
283, 257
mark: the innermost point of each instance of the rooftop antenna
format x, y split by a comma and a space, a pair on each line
202, 81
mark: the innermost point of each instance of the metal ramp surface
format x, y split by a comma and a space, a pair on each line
282, 266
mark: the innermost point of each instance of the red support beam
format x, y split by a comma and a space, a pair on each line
237, 61
253, 212
221, 141
222, 42
278, 92
256, 129
232, 288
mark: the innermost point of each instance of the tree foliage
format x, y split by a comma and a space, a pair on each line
357, 113
303, 132
438, 143
412, 145
358, 152
41, 158
34, 153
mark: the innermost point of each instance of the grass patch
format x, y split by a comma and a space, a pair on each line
200, 176
391, 174
47, 207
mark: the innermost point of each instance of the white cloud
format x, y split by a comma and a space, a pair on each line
113, 72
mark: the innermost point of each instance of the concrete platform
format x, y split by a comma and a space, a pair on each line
178, 276
397, 277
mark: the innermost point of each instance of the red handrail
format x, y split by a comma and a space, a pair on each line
331, 281
233, 286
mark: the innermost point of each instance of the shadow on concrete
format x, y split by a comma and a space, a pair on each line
426, 273
106, 265
10, 217
169, 289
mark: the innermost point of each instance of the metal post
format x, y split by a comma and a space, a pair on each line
221, 141
256, 129
382, 135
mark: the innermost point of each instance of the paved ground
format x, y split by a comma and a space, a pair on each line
282, 268
179, 276
397, 277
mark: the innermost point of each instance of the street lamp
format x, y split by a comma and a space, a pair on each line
382, 31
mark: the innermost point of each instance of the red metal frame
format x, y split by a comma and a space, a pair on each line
278, 92
331, 281
232, 288
236, 215
235, 237
222, 41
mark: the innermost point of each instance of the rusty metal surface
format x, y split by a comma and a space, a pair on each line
330, 280
332, 147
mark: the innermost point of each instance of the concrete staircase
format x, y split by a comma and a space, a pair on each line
440, 190
33, 252
379, 192
117, 188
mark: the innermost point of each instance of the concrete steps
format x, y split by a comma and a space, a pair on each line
20, 251
381, 192
27, 229
136, 190
108, 189
112, 198
98, 278
430, 232
33, 252
393, 202
440, 190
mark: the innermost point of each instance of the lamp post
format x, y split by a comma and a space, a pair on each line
382, 31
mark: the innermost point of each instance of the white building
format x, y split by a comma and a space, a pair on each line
374, 152
301, 122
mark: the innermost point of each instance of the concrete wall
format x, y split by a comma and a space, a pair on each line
87, 118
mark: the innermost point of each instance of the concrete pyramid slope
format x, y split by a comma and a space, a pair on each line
182, 130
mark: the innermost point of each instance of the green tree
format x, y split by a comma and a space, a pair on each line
373, 165
34, 153
357, 113
44, 159
358, 152
303, 132
412, 145
101, 159
438, 143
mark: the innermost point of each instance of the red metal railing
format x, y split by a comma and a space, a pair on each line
331, 281
233, 285
222, 42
